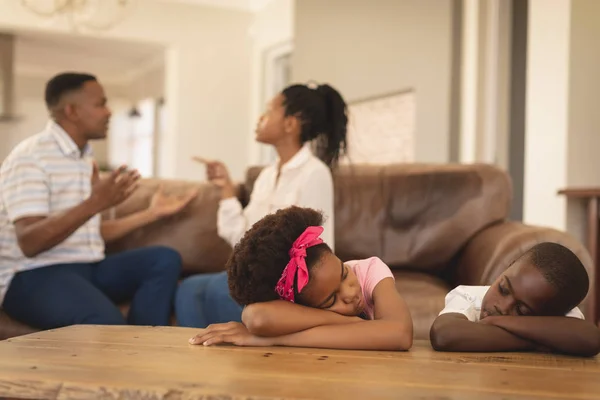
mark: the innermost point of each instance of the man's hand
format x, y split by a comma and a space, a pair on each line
217, 174
163, 205
231, 332
111, 191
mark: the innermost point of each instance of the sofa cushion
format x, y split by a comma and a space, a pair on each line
424, 294
416, 216
192, 232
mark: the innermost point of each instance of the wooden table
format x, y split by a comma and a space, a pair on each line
112, 362
592, 197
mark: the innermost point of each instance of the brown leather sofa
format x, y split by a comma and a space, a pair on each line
436, 226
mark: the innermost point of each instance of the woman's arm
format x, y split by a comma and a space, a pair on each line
231, 221
454, 332
277, 318
566, 335
318, 195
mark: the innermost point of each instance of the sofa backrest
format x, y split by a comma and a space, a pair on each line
193, 232
415, 216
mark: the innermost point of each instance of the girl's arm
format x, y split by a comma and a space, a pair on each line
391, 330
566, 335
454, 332
279, 317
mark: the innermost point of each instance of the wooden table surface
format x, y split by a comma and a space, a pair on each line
121, 362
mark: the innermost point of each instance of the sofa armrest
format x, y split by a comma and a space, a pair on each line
493, 250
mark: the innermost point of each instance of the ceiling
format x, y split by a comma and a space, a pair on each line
111, 60
243, 5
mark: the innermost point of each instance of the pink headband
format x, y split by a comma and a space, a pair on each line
285, 285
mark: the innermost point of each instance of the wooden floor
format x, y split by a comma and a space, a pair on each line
85, 362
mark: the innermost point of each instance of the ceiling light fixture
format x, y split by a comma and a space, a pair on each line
89, 14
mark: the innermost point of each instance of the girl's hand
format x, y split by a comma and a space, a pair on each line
231, 332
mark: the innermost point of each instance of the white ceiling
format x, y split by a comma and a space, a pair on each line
112, 61
243, 5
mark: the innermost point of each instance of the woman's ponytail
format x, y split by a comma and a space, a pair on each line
323, 114
331, 144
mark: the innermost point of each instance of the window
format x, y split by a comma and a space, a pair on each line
382, 130
141, 141
277, 76
131, 140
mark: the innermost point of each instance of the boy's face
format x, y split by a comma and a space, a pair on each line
521, 290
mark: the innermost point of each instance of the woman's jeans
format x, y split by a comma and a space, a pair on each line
204, 299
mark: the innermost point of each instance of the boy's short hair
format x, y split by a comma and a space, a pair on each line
563, 270
62, 84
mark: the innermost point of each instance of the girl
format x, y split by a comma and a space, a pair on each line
298, 293
300, 116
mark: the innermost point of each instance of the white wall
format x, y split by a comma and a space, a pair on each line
207, 77
33, 115
584, 87
547, 103
273, 26
583, 167
562, 118
371, 48
148, 83
30, 107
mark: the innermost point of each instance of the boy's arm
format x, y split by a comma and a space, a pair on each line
279, 317
454, 332
566, 335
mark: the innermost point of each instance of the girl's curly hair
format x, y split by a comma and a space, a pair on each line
258, 260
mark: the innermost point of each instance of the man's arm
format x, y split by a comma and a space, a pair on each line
38, 234
278, 317
115, 229
161, 205
454, 332
566, 335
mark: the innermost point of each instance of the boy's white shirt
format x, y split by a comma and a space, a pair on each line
467, 300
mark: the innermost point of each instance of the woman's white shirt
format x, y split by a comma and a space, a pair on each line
305, 181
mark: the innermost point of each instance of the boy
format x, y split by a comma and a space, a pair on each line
531, 306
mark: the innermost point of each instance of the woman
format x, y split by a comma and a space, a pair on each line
296, 118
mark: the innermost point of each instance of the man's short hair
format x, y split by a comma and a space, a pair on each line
62, 84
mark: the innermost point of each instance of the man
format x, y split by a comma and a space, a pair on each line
53, 271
